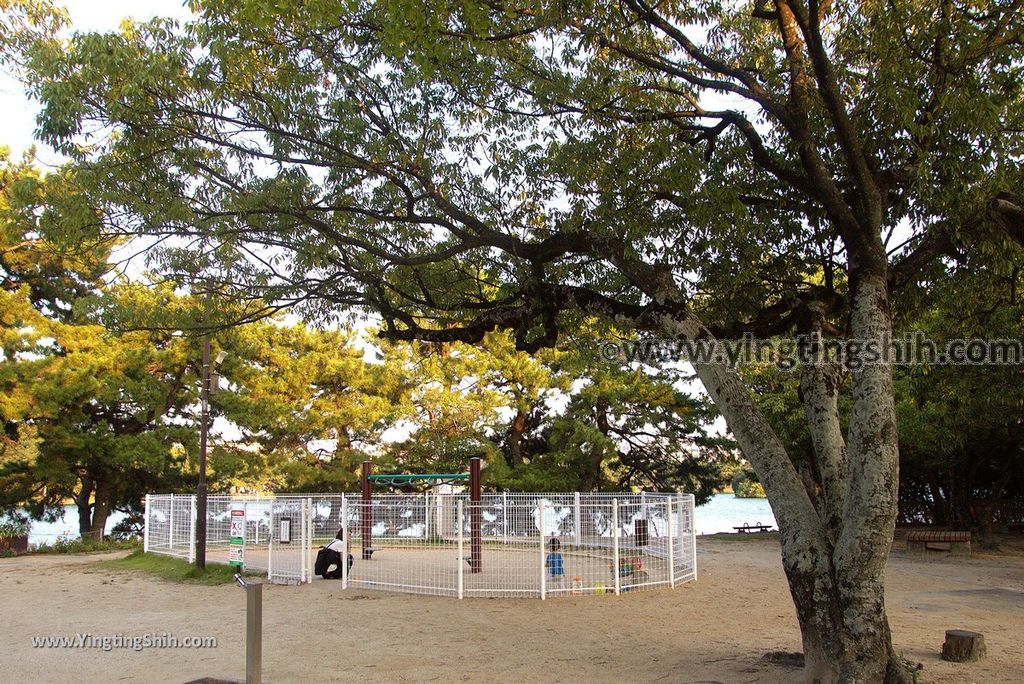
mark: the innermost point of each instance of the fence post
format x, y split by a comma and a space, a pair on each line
344, 533
543, 559
643, 504
504, 518
426, 516
303, 529
615, 545
192, 529
668, 536
576, 517
366, 521
270, 547
170, 527
443, 531
256, 519
693, 535
459, 558
307, 549
475, 540
145, 527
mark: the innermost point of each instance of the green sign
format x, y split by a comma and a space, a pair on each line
236, 547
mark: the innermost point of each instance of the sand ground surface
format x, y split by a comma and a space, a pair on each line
712, 630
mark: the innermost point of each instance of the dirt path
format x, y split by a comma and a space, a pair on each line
713, 630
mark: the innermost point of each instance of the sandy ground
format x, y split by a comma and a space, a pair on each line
713, 630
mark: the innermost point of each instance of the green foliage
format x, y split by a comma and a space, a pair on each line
86, 545
961, 434
471, 168
634, 427
102, 405
745, 487
560, 420
13, 527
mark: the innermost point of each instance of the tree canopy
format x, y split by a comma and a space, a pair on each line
695, 170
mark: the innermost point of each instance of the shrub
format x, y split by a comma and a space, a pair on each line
13, 527
746, 486
64, 544
750, 490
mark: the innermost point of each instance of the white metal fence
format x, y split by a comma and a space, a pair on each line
525, 544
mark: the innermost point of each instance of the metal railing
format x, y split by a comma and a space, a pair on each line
507, 544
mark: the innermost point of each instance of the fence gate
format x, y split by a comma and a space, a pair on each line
289, 551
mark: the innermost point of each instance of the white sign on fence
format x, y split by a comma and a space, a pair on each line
236, 548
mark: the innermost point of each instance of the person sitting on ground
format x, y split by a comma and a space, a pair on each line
330, 556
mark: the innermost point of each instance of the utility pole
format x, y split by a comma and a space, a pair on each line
204, 431
204, 428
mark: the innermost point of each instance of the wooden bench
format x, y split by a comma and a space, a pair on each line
745, 527
923, 541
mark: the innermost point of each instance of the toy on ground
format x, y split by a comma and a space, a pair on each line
631, 568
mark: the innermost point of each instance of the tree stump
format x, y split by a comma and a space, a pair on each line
962, 646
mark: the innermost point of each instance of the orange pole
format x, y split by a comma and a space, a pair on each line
366, 514
475, 552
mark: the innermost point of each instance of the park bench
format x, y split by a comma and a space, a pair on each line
956, 543
746, 527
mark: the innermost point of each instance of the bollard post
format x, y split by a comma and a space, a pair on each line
253, 630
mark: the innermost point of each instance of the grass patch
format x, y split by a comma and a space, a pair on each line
740, 536
172, 569
63, 545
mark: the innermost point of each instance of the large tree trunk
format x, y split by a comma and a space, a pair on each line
516, 430
82, 502
101, 508
834, 558
590, 476
864, 536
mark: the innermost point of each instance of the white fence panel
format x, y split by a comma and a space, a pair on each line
511, 544
290, 541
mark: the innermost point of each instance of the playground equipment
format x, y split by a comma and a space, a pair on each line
475, 555
466, 543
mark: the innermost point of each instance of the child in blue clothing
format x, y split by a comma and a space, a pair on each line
556, 568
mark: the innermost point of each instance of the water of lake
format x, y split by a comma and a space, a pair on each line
721, 514
43, 532
725, 511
